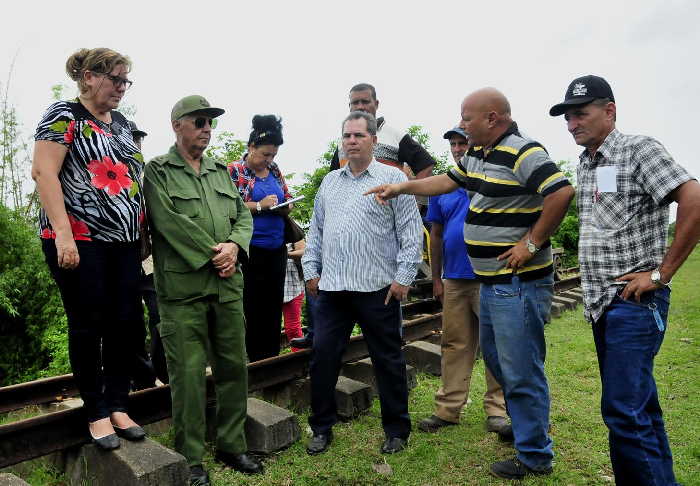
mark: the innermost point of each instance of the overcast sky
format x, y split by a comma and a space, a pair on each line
298, 60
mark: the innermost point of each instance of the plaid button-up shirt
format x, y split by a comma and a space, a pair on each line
624, 218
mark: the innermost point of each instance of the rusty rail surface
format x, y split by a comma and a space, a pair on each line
44, 434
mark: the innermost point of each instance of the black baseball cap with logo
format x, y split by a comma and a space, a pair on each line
582, 91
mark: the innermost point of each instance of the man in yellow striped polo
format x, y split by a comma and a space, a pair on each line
518, 198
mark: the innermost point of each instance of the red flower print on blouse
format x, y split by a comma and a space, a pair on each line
70, 132
97, 129
110, 176
79, 229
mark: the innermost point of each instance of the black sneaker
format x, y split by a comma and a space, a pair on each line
198, 476
514, 469
301, 342
319, 443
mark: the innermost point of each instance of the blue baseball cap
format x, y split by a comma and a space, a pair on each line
455, 131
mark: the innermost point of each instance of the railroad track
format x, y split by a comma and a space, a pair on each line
37, 436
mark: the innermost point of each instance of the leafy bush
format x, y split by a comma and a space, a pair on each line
312, 182
32, 321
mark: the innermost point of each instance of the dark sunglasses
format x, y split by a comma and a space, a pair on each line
118, 81
199, 122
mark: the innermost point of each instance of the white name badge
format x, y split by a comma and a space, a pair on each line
606, 178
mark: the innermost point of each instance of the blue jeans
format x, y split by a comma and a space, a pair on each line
627, 337
511, 325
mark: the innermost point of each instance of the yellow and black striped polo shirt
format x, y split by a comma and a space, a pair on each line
507, 185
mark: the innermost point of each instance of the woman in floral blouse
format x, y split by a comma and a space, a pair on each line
88, 171
262, 186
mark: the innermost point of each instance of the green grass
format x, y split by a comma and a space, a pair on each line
21, 414
461, 455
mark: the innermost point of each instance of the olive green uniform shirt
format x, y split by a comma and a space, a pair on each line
189, 214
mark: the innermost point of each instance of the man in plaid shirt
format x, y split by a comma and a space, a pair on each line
626, 183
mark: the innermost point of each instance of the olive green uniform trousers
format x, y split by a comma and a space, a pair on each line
191, 333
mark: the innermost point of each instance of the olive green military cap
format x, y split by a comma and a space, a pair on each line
192, 104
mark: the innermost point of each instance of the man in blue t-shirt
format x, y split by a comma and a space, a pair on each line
455, 285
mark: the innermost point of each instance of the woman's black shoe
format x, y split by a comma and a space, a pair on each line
106, 443
135, 432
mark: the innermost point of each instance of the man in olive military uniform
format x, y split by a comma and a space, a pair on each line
200, 229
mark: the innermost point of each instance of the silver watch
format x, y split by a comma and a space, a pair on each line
656, 278
258, 206
531, 246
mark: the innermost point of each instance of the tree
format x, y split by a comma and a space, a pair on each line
442, 161
567, 234
312, 181
14, 153
228, 148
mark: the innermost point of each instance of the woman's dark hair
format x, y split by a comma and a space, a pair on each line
267, 130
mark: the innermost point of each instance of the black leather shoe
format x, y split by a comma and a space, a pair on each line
393, 445
240, 462
198, 476
301, 342
130, 433
106, 443
498, 424
514, 469
319, 443
433, 424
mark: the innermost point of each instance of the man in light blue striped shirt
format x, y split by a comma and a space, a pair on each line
360, 259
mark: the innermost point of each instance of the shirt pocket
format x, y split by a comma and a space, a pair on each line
610, 210
186, 201
227, 200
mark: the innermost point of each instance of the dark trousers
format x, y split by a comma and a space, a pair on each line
337, 313
263, 291
148, 366
311, 315
627, 337
102, 301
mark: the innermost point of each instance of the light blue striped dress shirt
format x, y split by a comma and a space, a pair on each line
355, 243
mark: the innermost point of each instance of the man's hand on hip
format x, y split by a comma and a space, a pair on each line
637, 284
397, 291
312, 286
517, 256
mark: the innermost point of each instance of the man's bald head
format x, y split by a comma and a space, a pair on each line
485, 115
488, 99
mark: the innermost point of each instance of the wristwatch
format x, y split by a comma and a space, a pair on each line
656, 278
531, 246
258, 206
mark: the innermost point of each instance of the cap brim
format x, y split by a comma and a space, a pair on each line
561, 108
139, 133
449, 133
212, 112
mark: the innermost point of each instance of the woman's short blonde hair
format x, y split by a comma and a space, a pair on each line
98, 60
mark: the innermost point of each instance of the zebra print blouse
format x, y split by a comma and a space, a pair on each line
100, 177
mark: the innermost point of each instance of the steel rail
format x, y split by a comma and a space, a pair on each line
56, 388
37, 436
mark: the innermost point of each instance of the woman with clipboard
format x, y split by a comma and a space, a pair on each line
264, 191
